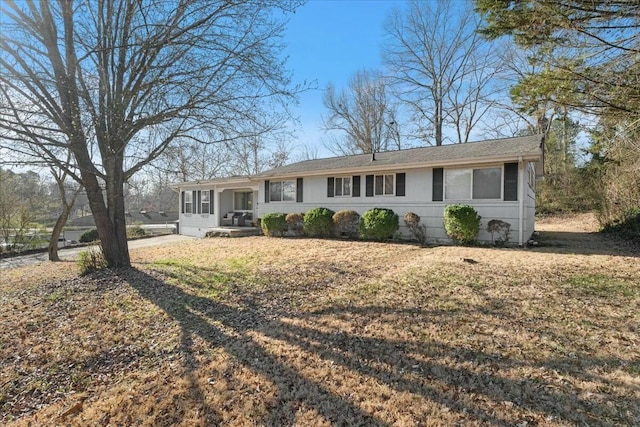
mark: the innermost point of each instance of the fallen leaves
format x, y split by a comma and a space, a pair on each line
259, 331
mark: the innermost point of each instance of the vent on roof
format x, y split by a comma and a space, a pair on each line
373, 156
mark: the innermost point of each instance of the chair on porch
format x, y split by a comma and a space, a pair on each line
243, 218
227, 219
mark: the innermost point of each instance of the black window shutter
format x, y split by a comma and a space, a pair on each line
438, 180
510, 182
198, 193
182, 202
369, 186
299, 190
210, 201
266, 191
400, 179
330, 186
356, 186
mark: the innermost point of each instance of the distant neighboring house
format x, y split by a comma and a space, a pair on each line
497, 177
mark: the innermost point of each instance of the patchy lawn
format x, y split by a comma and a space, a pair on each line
263, 331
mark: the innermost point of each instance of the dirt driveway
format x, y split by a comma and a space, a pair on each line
578, 234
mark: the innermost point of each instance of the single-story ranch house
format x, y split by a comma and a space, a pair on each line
497, 177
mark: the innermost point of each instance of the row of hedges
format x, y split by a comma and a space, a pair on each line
461, 223
376, 223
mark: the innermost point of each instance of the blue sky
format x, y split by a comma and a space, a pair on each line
328, 41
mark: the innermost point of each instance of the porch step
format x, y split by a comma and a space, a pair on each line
225, 231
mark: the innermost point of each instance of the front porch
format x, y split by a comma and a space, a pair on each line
232, 231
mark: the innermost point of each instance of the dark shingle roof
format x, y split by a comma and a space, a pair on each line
527, 147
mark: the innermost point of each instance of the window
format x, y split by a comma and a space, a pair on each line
478, 184
188, 202
275, 191
487, 183
282, 191
205, 202
383, 185
289, 191
243, 201
343, 186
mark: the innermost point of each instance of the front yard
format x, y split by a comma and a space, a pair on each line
266, 331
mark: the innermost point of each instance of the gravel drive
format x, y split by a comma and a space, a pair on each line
71, 254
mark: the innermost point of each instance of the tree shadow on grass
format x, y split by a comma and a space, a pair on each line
398, 364
196, 314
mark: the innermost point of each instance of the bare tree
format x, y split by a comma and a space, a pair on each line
255, 155
441, 68
26, 155
114, 82
16, 212
68, 195
364, 115
189, 160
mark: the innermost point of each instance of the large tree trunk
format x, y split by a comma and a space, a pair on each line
110, 220
116, 210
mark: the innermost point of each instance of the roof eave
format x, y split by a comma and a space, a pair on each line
532, 157
220, 183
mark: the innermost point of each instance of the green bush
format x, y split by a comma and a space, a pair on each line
417, 230
318, 222
91, 260
379, 224
295, 222
274, 224
346, 223
89, 236
461, 223
135, 231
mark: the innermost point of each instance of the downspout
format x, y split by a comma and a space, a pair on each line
521, 201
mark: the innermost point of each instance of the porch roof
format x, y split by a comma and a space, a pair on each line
232, 183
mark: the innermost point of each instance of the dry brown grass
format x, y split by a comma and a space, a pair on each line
262, 331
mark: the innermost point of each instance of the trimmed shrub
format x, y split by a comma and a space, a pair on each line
295, 222
346, 223
135, 231
318, 222
91, 260
89, 236
379, 224
461, 223
501, 229
274, 224
417, 230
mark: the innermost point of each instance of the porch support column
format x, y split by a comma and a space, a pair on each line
216, 207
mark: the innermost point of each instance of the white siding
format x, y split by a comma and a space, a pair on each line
418, 199
195, 224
